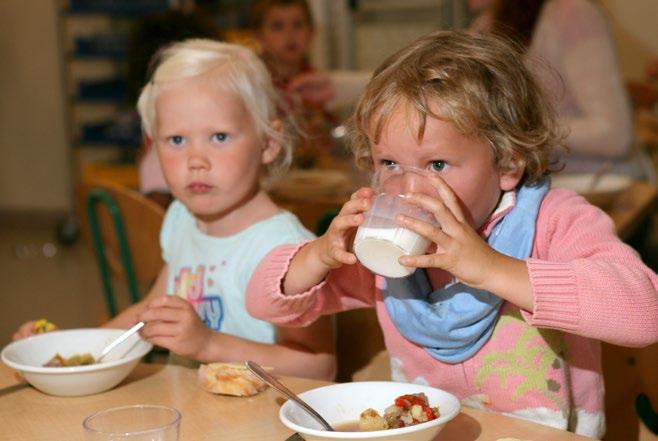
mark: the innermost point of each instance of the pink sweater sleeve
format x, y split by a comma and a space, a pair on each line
585, 280
348, 287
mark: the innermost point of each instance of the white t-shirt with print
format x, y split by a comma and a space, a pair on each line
212, 273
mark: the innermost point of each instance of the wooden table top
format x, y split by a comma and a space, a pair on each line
631, 207
28, 414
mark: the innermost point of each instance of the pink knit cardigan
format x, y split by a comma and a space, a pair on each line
542, 365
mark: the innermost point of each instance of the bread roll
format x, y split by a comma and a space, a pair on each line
229, 379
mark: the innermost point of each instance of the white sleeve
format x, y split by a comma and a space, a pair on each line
348, 85
591, 72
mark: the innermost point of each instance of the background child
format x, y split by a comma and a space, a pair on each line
511, 324
210, 110
284, 30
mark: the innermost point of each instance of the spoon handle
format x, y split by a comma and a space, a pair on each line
123, 337
261, 373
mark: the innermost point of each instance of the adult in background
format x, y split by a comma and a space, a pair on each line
570, 47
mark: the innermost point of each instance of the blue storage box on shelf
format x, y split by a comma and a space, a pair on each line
101, 46
118, 7
111, 89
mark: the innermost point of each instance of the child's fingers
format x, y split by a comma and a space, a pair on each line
167, 301
161, 314
344, 222
431, 232
424, 261
159, 329
343, 256
442, 213
25, 330
448, 197
363, 193
356, 205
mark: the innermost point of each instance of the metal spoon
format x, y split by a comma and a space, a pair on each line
120, 339
269, 379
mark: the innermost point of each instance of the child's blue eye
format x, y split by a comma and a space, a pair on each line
438, 166
176, 140
389, 165
219, 137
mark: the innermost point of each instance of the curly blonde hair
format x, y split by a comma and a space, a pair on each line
478, 83
229, 66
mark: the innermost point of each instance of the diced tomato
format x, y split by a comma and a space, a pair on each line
406, 401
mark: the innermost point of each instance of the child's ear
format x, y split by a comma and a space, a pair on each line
511, 175
272, 147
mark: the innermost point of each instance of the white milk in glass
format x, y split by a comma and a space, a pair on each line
378, 245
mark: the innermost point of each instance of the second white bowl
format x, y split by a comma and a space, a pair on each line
27, 356
343, 403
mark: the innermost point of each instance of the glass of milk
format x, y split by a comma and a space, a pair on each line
380, 241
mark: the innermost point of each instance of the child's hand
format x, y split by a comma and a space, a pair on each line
334, 245
33, 327
171, 322
313, 87
25, 330
459, 248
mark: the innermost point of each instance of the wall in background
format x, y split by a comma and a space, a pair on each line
35, 170
635, 25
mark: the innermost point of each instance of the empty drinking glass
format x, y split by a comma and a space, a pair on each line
143, 422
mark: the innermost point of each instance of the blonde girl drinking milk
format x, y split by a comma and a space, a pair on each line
507, 308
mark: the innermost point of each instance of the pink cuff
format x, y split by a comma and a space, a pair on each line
555, 291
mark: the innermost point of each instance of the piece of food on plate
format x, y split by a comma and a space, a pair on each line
406, 410
43, 325
229, 379
74, 360
370, 420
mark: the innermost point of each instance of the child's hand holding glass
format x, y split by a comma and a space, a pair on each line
459, 249
334, 246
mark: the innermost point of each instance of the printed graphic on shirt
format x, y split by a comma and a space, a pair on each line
191, 286
526, 360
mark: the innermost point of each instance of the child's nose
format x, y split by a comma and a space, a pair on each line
197, 159
412, 181
409, 181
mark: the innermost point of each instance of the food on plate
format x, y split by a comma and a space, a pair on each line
229, 379
43, 325
75, 360
406, 410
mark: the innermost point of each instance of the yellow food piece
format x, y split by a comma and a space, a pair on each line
370, 420
75, 360
44, 325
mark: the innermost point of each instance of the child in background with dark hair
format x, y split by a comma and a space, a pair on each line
285, 30
522, 282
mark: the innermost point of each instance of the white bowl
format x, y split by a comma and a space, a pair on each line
28, 356
343, 403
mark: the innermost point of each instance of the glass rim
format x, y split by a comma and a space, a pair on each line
376, 177
176, 419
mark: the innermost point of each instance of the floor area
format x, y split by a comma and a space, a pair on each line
45, 279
